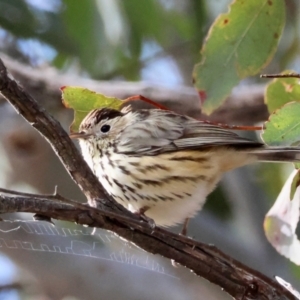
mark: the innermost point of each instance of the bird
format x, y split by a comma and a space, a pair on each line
163, 165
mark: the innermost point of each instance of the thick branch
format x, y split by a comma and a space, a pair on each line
238, 280
207, 261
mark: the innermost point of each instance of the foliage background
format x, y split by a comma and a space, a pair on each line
157, 41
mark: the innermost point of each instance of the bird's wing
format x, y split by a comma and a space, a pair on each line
160, 131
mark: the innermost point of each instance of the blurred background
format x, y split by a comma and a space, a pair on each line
122, 48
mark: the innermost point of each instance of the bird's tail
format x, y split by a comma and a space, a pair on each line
277, 154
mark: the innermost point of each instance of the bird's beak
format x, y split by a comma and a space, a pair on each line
79, 135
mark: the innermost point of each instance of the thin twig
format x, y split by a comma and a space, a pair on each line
287, 75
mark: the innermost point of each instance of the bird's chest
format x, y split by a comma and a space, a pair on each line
171, 188
100, 162
110, 169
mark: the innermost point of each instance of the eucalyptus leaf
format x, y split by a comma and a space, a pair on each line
283, 126
239, 44
281, 91
82, 101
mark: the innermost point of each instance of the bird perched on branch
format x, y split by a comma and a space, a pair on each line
162, 164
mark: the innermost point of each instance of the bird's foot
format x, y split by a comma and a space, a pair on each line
185, 227
141, 213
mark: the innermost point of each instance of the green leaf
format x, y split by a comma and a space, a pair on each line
24, 21
239, 44
84, 26
283, 126
140, 25
83, 101
281, 91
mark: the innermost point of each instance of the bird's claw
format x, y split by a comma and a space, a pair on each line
149, 221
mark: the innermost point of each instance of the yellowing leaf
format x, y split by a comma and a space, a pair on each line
281, 91
295, 184
281, 222
83, 101
239, 44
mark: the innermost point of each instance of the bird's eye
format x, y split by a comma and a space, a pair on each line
105, 128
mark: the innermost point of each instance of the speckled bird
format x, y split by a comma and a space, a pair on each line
162, 164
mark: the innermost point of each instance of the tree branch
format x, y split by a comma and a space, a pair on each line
235, 278
11, 286
244, 106
207, 261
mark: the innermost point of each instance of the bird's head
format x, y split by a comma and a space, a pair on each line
100, 124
